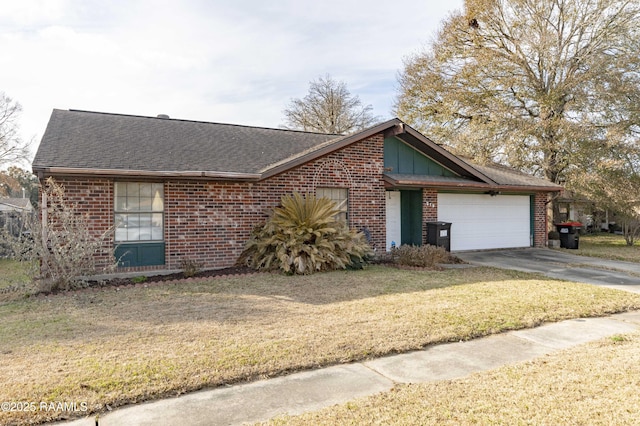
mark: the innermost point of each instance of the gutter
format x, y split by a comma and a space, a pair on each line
472, 186
43, 172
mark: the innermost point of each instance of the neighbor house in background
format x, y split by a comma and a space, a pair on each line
179, 189
14, 214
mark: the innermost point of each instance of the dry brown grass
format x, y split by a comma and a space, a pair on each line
594, 384
119, 346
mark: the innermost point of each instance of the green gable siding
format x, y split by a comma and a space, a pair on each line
400, 158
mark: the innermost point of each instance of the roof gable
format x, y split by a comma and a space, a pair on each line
400, 158
465, 173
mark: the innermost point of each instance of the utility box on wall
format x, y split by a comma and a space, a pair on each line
439, 234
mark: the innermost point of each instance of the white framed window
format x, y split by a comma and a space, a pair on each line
338, 195
139, 211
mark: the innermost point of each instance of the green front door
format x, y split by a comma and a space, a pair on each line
411, 217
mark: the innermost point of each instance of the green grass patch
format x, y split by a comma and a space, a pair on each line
13, 273
608, 246
109, 346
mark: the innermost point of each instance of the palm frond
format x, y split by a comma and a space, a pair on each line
302, 236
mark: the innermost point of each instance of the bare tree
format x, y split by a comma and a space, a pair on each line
328, 108
614, 184
542, 85
12, 148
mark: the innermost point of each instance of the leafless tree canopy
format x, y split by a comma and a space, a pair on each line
328, 108
12, 148
547, 86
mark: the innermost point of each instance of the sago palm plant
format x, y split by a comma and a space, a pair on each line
302, 236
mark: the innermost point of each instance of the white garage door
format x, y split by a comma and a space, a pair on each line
480, 221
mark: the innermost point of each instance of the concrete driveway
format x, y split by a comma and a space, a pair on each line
561, 264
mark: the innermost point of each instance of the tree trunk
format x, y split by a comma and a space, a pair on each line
552, 175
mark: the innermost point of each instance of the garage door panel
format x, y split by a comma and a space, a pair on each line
481, 221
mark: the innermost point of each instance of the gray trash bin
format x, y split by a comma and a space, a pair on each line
439, 234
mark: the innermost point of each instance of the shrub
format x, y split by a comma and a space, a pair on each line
190, 268
62, 249
302, 236
426, 256
554, 235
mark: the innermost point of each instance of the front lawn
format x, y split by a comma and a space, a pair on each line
116, 346
12, 273
593, 384
608, 246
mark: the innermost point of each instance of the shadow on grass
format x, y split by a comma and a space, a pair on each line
260, 295
259, 299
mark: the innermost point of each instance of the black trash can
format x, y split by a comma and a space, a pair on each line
569, 234
439, 234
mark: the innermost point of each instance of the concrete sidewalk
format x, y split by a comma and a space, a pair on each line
312, 390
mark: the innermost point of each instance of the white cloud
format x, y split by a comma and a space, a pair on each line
32, 12
238, 62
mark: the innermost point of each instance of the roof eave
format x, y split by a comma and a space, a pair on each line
408, 183
435, 185
526, 188
44, 172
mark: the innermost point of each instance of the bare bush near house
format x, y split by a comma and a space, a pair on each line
61, 249
426, 256
190, 267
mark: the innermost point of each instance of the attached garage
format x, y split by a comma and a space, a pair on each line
482, 221
489, 206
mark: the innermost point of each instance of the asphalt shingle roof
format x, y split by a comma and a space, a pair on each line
503, 175
91, 140
98, 142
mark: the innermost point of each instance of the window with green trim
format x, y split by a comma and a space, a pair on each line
340, 196
139, 211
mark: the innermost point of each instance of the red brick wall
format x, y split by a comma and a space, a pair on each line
94, 198
540, 219
210, 222
429, 209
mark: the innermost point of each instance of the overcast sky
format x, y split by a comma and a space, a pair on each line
228, 61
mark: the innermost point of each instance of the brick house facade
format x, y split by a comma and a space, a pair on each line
207, 215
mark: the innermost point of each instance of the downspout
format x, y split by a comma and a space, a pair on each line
44, 217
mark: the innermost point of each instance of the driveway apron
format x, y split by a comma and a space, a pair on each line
561, 264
